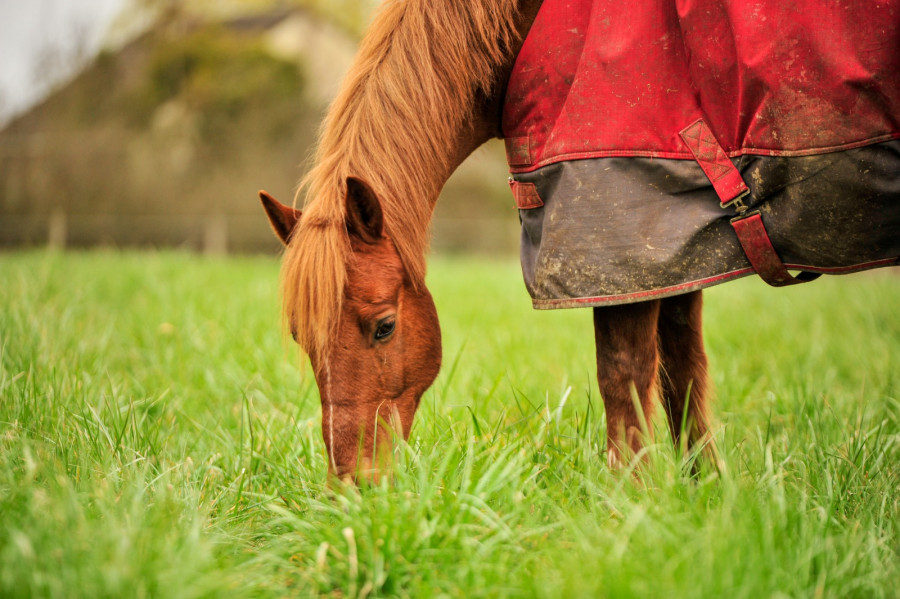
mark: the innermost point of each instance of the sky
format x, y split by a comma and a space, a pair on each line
46, 36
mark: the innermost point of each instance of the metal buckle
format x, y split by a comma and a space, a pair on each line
738, 204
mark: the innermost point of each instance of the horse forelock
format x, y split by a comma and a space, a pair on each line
313, 277
394, 123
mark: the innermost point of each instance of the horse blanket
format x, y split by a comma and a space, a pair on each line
669, 145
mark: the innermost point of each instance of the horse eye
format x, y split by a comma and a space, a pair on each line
385, 328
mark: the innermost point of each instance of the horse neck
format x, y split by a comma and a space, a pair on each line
425, 91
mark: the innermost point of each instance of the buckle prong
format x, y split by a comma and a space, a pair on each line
738, 203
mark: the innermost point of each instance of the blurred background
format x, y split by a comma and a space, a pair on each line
153, 123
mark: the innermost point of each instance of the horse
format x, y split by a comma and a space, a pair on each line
425, 90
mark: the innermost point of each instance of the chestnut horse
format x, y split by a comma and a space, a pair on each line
424, 92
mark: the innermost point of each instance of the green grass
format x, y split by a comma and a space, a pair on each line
159, 437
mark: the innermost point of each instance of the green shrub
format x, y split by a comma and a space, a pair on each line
221, 76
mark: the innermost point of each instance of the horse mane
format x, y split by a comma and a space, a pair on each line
396, 124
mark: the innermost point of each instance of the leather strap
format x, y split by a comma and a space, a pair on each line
526, 194
731, 189
752, 234
716, 164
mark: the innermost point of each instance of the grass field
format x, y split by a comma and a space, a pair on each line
159, 437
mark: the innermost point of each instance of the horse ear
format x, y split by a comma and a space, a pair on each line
282, 218
365, 219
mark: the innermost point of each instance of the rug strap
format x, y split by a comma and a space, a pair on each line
731, 189
752, 234
717, 166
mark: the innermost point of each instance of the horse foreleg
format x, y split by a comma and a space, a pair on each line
684, 382
626, 372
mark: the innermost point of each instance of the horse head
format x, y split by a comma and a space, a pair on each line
385, 349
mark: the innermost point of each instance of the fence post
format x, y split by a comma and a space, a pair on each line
57, 230
215, 235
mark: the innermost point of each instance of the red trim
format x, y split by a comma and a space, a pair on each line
517, 170
845, 270
628, 298
637, 296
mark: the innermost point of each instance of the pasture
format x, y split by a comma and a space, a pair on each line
160, 437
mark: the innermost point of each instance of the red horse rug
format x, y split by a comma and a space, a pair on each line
666, 146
